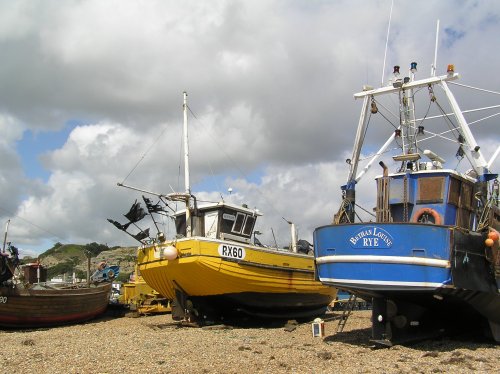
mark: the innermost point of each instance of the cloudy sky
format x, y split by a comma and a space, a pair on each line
91, 95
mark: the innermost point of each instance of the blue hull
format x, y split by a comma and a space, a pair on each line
394, 257
424, 276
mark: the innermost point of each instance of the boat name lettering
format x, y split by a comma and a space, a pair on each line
229, 217
371, 237
230, 251
3, 299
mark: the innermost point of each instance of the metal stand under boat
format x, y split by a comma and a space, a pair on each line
381, 327
403, 322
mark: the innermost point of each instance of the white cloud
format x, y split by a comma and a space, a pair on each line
270, 83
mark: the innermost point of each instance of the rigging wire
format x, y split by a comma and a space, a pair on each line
12, 214
269, 203
144, 155
474, 88
233, 162
209, 165
452, 128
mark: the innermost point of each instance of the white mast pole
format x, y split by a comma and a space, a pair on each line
294, 237
186, 167
5, 236
375, 157
358, 141
186, 147
433, 68
386, 43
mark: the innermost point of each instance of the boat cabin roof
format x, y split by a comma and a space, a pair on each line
225, 221
434, 171
222, 205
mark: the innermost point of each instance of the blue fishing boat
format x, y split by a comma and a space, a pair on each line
428, 258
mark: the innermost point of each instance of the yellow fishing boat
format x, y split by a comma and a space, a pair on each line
216, 271
215, 267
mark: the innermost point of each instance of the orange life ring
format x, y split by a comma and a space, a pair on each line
432, 212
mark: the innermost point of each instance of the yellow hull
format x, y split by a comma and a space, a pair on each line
256, 276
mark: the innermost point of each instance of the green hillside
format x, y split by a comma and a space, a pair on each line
64, 259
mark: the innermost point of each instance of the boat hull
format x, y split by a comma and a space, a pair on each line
31, 308
257, 281
422, 279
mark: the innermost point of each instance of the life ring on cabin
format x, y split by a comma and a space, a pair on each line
418, 216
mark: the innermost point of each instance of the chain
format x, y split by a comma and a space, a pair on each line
405, 198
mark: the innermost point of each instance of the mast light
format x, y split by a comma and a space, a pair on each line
413, 67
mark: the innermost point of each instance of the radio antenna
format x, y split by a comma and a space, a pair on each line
433, 69
387, 43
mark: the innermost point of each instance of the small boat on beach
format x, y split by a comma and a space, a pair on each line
215, 267
429, 259
27, 300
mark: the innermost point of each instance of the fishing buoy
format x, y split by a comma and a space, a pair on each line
170, 252
493, 235
489, 242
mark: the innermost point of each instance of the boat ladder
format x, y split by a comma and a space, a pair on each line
347, 310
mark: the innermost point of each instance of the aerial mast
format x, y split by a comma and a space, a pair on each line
5, 236
186, 167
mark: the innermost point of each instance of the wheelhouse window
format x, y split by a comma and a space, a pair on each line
430, 190
180, 225
211, 222
249, 224
238, 223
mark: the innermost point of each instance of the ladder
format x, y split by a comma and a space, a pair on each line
348, 308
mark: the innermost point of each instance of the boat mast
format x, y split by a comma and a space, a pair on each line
186, 146
350, 187
408, 125
5, 236
186, 167
367, 95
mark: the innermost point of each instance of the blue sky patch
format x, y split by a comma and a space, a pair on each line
33, 144
451, 36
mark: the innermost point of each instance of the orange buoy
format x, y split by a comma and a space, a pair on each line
493, 235
489, 242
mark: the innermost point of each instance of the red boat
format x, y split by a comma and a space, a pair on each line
28, 301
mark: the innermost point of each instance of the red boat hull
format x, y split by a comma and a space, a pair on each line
28, 308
